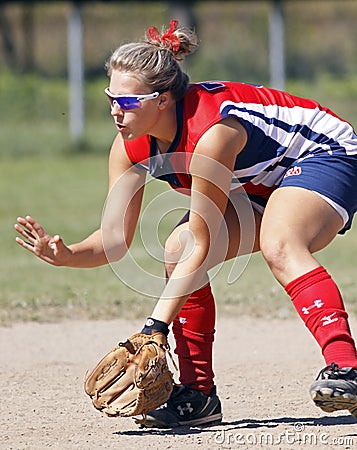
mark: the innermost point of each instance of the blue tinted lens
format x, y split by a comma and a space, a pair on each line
127, 102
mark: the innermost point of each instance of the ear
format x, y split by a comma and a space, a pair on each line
164, 100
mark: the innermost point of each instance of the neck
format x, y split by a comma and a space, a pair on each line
166, 131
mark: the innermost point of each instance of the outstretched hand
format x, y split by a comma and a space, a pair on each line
36, 240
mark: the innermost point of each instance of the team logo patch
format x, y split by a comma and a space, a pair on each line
293, 171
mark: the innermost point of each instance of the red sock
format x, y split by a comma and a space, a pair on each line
318, 302
193, 329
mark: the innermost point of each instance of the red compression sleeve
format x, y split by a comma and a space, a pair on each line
319, 303
193, 329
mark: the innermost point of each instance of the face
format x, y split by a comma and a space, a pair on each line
136, 122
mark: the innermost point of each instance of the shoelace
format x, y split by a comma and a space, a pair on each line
326, 372
333, 372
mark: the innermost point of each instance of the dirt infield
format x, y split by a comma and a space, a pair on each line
263, 372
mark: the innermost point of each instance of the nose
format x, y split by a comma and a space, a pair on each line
115, 109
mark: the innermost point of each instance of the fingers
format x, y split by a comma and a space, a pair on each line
28, 246
31, 233
26, 234
32, 226
26, 221
26, 227
36, 227
25, 231
55, 243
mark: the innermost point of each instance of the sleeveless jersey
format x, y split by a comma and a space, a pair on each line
281, 130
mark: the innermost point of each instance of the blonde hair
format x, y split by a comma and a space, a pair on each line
156, 62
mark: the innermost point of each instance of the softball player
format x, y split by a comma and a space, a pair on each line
266, 171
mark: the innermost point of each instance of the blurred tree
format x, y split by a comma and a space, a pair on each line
182, 10
28, 63
18, 53
8, 40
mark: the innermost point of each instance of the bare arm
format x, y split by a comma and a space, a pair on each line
126, 184
211, 169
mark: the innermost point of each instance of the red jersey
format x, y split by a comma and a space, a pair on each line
281, 128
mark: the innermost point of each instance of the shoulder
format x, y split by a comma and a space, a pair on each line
204, 107
204, 93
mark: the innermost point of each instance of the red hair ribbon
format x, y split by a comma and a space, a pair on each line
169, 39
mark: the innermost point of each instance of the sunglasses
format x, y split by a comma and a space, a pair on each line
127, 102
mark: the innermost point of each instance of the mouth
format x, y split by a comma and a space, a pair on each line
120, 126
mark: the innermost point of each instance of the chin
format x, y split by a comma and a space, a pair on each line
127, 136
130, 136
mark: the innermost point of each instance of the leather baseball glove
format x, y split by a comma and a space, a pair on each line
133, 378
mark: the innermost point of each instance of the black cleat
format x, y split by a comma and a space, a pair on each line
186, 407
336, 389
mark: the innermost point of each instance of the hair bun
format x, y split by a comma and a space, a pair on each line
179, 41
